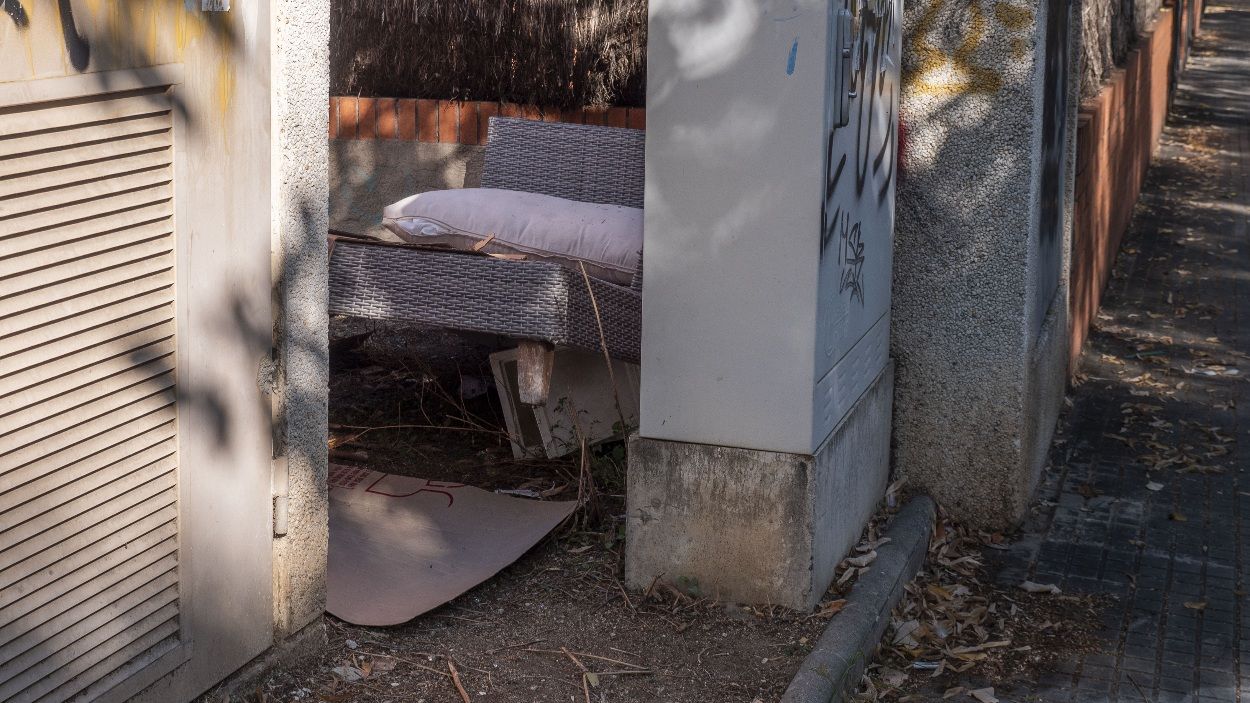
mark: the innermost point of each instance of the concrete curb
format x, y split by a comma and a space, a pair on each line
833, 668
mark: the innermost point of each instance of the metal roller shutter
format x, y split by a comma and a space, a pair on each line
89, 593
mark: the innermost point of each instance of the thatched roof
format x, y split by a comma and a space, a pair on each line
560, 53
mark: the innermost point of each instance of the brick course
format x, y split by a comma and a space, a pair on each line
1117, 134
455, 121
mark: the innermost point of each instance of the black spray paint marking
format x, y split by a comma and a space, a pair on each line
876, 25
76, 45
850, 256
17, 13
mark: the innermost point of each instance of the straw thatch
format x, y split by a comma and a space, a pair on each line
561, 53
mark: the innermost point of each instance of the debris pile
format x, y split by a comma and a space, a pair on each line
954, 631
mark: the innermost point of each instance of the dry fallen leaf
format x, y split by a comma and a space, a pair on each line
1032, 587
1154, 486
984, 695
1196, 604
893, 677
863, 561
829, 609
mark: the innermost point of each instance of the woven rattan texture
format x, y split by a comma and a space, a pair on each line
579, 162
521, 299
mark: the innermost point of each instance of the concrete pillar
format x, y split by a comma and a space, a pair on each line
766, 383
982, 241
300, 92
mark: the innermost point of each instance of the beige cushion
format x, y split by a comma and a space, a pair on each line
606, 238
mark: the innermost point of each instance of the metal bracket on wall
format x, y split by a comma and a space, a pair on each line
281, 488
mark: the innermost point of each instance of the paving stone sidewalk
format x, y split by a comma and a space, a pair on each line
1150, 471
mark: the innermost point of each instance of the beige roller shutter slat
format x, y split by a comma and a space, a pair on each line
109, 552
126, 626
33, 631
93, 172
85, 240
71, 194
36, 405
85, 272
92, 510
59, 487
149, 302
82, 380
115, 285
81, 113
86, 443
131, 507
23, 214
44, 529
155, 560
68, 159
88, 433
50, 431
84, 134
101, 350
125, 210
127, 660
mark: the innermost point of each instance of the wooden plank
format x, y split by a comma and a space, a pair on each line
533, 365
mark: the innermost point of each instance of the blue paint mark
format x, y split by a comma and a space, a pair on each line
794, 55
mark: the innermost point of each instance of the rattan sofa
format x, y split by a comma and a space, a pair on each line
531, 301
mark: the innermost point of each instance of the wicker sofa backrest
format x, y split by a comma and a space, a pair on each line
578, 162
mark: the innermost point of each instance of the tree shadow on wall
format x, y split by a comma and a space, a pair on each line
136, 359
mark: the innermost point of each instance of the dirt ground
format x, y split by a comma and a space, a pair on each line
558, 625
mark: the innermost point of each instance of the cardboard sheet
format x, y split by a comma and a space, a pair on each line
401, 546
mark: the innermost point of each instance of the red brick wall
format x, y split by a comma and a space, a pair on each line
454, 121
1117, 134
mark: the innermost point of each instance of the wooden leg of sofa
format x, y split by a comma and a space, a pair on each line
534, 362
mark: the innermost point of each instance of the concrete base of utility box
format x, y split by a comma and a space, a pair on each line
755, 526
